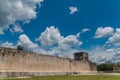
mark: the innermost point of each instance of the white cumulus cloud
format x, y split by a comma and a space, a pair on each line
27, 43
8, 45
1, 30
50, 36
103, 32
85, 30
53, 36
110, 50
62, 51
73, 9
64, 45
17, 29
71, 40
17, 10
100, 54
115, 38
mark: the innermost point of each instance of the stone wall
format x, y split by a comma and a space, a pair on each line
12, 60
116, 67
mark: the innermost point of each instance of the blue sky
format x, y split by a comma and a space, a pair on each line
62, 27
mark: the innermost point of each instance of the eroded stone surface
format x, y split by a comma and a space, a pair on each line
16, 61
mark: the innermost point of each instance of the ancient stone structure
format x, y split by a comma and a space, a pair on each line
117, 67
19, 63
82, 56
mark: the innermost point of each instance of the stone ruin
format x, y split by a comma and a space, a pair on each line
17, 63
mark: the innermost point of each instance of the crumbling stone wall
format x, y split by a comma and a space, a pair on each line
20, 61
116, 67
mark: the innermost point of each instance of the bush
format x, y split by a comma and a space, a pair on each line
19, 47
105, 67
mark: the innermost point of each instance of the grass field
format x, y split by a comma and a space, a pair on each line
82, 77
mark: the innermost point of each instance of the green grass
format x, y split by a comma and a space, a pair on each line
81, 77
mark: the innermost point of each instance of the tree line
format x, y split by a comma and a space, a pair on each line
105, 67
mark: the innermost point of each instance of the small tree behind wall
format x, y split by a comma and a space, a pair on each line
19, 47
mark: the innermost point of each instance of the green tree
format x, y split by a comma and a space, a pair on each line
19, 47
105, 67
